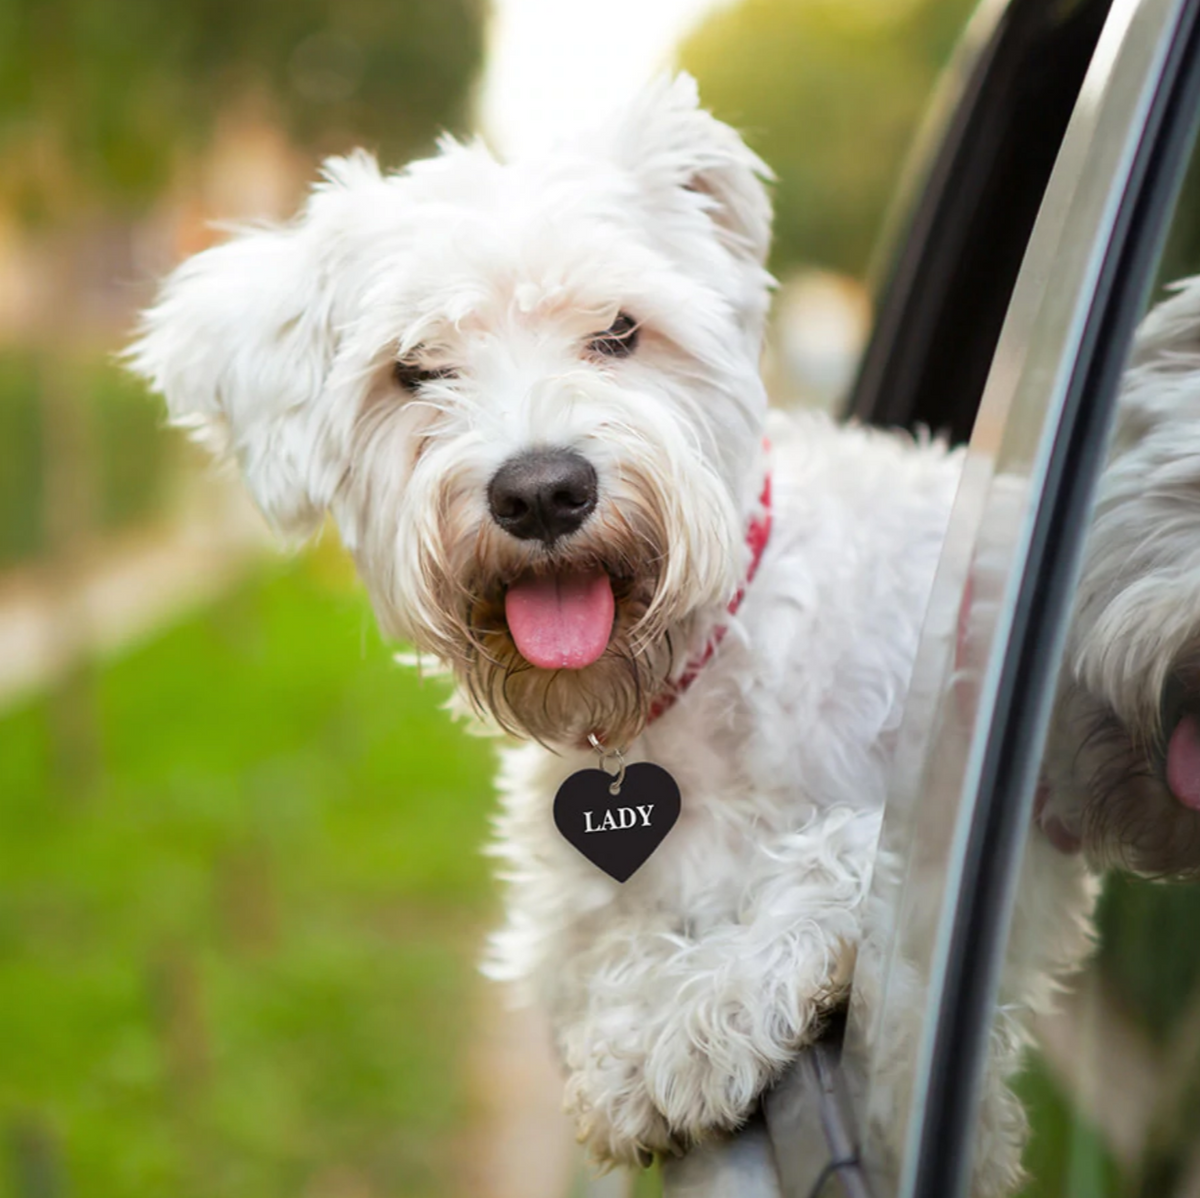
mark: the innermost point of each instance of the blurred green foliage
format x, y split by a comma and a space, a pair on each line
103, 99
21, 491
1137, 919
132, 460
829, 92
1066, 1156
241, 963
1150, 974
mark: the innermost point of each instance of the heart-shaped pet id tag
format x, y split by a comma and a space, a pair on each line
617, 821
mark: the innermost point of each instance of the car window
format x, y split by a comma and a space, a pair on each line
1110, 1086
964, 949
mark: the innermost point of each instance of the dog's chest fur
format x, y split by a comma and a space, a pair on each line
794, 715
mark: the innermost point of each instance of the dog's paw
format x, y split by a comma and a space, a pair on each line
705, 1084
606, 1096
635, 1093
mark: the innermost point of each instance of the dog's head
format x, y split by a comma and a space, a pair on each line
528, 393
1122, 771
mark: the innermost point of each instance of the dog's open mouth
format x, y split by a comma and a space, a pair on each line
562, 620
1183, 762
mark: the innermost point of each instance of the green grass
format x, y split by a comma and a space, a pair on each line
235, 952
1137, 918
1066, 1156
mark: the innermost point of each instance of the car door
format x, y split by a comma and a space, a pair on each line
959, 817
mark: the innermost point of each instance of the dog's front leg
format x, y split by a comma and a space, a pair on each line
681, 1029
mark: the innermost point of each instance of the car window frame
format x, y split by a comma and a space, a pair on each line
977, 912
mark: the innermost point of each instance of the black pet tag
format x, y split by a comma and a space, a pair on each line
617, 820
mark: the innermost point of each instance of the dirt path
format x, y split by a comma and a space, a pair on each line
520, 1144
122, 590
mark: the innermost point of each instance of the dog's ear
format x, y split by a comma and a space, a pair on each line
241, 340
668, 141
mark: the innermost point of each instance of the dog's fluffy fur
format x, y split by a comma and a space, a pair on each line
1133, 658
677, 997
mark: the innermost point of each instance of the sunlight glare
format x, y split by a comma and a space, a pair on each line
553, 65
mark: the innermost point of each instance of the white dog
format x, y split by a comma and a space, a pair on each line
529, 395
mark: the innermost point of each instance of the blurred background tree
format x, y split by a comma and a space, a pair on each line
102, 100
104, 105
829, 93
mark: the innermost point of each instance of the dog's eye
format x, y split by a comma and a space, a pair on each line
410, 375
619, 340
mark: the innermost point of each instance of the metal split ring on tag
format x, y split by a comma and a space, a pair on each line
609, 757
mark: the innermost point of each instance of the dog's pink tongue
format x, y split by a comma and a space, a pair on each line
1183, 762
561, 621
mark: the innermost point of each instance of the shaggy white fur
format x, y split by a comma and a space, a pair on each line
386, 356
1122, 771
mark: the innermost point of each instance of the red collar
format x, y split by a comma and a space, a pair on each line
758, 532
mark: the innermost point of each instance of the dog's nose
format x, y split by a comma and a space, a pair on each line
543, 494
